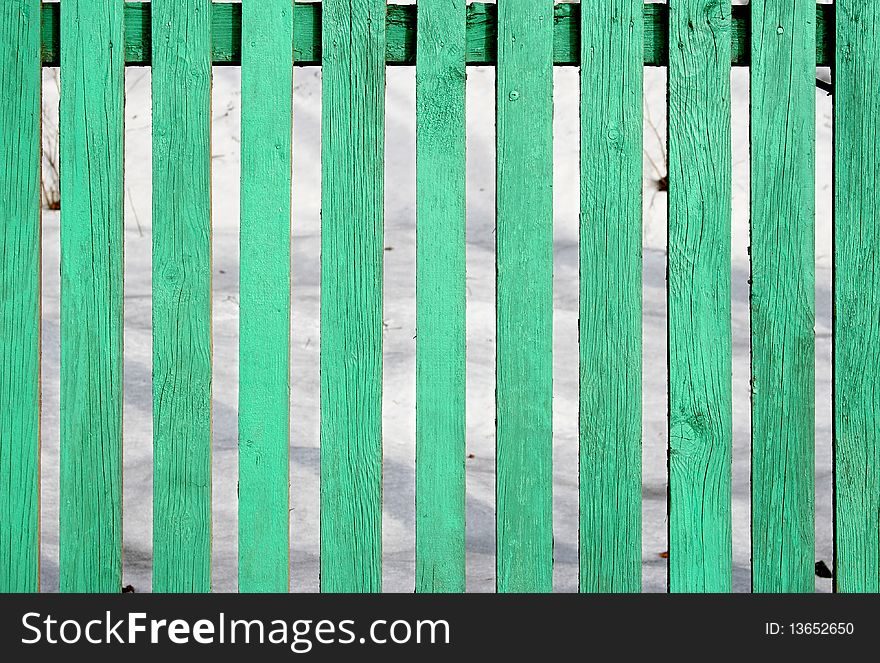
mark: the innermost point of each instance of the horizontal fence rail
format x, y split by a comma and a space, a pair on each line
400, 46
781, 41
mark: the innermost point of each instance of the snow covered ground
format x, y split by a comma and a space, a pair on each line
399, 387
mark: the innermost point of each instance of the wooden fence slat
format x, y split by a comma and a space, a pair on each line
20, 295
857, 297
401, 46
353, 128
181, 296
783, 139
264, 334
440, 297
91, 159
611, 298
700, 410
524, 307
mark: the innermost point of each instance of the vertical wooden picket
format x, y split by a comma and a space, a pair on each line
524, 245
700, 409
440, 296
353, 129
857, 296
783, 137
91, 131
264, 336
20, 295
611, 297
181, 295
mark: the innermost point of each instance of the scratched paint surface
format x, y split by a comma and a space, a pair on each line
19, 295
857, 297
524, 313
611, 298
700, 409
783, 116
181, 296
352, 247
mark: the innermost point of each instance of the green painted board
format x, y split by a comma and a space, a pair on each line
440, 297
264, 327
401, 43
91, 159
611, 299
857, 297
181, 296
700, 410
783, 140
353, 141
524, 297
20, 295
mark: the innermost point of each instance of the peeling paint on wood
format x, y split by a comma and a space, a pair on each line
700, 409
524, 297
264, 327
181, 296
91, 159
783, 144
440, 297
352, 252
20, 295
857, 297
610, 328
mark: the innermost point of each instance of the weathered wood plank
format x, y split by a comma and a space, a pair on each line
857, 297
524, 308
20, 295
181, 296
91, 158
700, 409
353, 130
611, 298
401, 44
440, 297
783, 140
264, 333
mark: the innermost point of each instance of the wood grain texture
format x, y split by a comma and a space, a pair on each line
20, 296
524, 293
611, 298
181, 296
353, 130
857, 297
700, 410
783, 139
264, 327
91, 159
440, 297
401, 44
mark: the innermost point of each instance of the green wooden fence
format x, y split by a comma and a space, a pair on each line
781, 41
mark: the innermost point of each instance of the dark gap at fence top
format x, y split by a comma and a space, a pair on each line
401, 34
